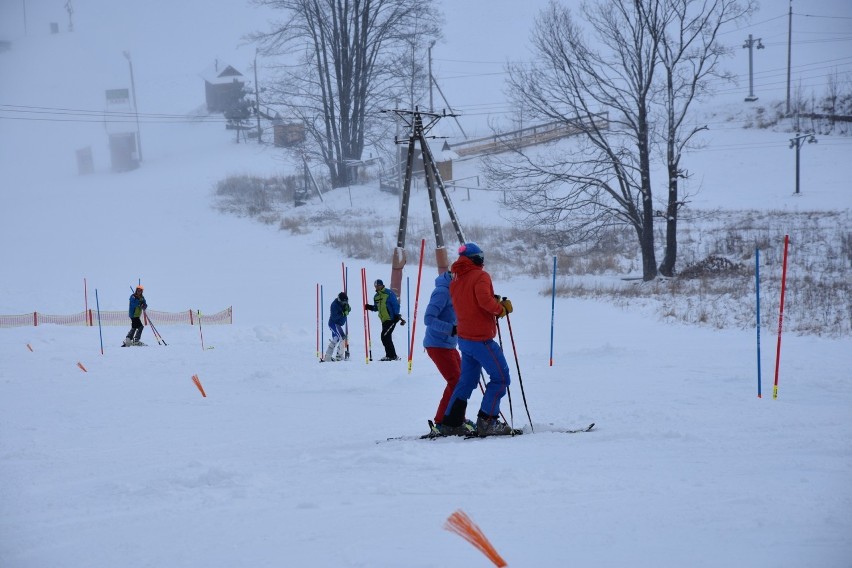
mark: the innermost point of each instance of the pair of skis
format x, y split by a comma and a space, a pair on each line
432, 435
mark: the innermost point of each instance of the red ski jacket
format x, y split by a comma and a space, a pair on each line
473, 300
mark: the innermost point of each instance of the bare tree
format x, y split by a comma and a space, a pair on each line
346, 51
689, 53
604, 179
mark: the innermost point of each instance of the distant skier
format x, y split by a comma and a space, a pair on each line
477, 309
137, 306
337, 323
387, 305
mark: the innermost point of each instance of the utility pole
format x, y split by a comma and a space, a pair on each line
135, 108
750, 44
70, 10
797, 143
789, 52
419, 124
431, 105
256, 97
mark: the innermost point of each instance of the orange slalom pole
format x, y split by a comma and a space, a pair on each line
780, 316
79, 364
463, 526
197, 382
416, 301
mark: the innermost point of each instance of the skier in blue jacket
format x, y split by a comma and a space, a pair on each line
337, 323
387, 305
440, 342
134, 311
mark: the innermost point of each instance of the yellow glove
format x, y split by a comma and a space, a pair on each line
507, 306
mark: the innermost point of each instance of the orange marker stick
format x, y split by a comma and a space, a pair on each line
197, 382
463, 526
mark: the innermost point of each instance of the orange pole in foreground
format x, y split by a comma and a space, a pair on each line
197, 382
463, 526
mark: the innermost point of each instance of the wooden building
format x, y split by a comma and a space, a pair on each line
223, 86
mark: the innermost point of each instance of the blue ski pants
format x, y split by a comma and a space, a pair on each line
478, 355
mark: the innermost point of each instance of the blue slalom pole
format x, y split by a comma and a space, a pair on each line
322, 320
552, 309
346, 290
100, 330
757, 313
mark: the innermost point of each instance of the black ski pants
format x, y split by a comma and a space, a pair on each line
387, 340
136, 328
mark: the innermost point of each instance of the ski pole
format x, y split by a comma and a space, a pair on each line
508, 390
200, 333
482, 390
154, 329
100, 329
151, 325
518, 366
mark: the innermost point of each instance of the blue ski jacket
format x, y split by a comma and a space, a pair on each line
338, 312
386, 304
136, 306
440, 317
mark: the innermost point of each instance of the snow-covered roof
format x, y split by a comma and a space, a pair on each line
220, 73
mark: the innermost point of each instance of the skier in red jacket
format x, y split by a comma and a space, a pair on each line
477, 310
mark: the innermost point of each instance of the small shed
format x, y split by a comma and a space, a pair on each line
223, 86
123, 138
444, 161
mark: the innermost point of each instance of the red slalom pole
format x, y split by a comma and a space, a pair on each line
368, 352
416, 301
781, 316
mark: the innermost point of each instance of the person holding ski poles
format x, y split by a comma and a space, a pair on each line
440, 342
137, 306
477, 310
387, 305
336, 322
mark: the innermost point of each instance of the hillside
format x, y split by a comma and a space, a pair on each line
286, 461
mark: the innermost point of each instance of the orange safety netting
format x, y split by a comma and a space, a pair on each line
117, 317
